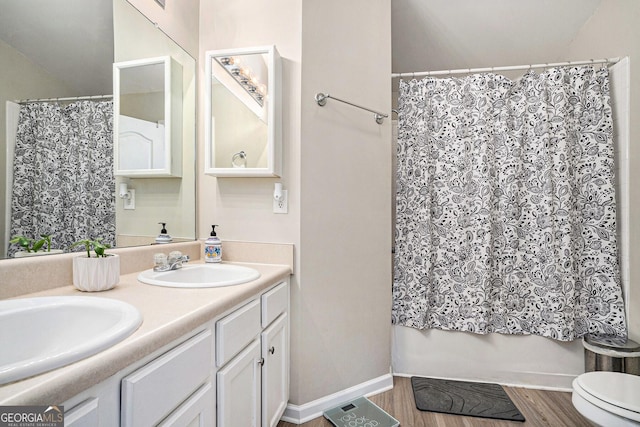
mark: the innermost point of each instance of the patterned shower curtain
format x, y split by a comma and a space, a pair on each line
63, 173
506, 207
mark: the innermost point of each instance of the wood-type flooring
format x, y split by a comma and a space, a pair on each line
540, 408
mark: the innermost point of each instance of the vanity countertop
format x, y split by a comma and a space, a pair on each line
168, 314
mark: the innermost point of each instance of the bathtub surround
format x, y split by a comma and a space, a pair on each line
526, 247
533, 361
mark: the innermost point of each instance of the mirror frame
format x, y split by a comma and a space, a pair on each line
172, 118
274, 115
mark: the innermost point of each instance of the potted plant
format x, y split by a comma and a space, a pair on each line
98, 272
33, 247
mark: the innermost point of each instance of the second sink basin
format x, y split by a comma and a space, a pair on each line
44, 333
200, 276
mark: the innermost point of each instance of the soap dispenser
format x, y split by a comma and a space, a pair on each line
213, 247
163, 237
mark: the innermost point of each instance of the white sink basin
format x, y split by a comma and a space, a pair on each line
200, 276
45, 333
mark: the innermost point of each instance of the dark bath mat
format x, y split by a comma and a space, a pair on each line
464, 398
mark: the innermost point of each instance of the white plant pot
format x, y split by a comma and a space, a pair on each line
24, 254
96, 274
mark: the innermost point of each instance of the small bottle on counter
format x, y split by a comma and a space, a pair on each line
213, 247
163, 237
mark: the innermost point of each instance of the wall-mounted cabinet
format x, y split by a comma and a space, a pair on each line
147, 111
243, 113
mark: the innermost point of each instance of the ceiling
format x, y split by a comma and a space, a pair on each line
426, 34
72, 39
430, 35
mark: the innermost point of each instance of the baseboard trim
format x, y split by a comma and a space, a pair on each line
298, 414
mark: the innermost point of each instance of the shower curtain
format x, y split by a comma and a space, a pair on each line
505, 205
63, 173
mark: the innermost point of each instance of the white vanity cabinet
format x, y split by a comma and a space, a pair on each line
252, 353
231, 371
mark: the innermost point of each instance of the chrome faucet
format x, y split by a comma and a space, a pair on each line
174, 262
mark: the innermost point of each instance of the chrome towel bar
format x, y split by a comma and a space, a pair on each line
321, 99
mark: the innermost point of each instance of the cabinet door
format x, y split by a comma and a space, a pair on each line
275, 372
197, 411
239, 389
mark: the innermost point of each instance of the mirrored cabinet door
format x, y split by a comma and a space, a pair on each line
148, 112
243, 113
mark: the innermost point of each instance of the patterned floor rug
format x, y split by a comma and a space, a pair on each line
464, 398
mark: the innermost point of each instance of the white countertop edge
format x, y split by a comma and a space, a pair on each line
165, 319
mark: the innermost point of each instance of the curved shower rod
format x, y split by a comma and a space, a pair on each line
321, 99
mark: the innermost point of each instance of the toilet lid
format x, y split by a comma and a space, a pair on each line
614, 388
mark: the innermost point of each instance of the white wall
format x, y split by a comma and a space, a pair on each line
345, 246
179, 19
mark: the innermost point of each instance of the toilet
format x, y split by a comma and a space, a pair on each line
609, 399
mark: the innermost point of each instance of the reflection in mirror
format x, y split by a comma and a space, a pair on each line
148, 110
159, 199
243, 112
63, 49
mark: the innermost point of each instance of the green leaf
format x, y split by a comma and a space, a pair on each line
38, 245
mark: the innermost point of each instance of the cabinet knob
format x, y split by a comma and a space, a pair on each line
272, 350
261, 361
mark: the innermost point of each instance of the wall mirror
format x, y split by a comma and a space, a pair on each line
60, 52
147, 111
243, 113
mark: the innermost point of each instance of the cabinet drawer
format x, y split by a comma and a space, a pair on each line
83, 415
274, 303
236, 330
153, 391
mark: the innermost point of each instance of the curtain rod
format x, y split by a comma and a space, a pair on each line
508, 68
71, 98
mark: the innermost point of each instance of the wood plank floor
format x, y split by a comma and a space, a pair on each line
539, 407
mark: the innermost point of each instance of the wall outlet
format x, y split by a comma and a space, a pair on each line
281, 206
130, 203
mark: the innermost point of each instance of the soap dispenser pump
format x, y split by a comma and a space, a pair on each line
213, 247
163, 237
